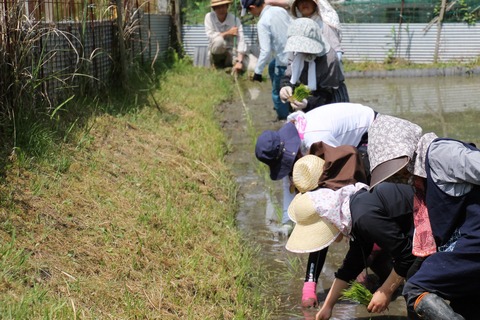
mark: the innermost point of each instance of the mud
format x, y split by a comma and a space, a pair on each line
260, 198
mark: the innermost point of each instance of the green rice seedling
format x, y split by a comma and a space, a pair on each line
301, 92
357, 292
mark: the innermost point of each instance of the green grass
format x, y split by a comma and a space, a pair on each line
133, 215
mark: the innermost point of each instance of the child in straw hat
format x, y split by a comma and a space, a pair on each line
383, 216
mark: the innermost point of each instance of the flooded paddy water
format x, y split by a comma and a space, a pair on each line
449, 106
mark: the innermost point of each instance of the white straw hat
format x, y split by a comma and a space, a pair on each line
307, 172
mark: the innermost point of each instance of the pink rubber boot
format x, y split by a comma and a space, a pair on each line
309, 295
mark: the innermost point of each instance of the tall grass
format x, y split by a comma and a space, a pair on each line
29, 75
47, 85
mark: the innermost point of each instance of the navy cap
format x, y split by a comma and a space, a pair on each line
278, 150
245, 5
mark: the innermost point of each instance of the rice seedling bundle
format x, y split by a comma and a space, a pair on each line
301, 92
357, 292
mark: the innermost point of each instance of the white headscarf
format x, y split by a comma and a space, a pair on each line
298, 64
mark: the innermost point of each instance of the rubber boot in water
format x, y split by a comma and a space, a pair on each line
429, 306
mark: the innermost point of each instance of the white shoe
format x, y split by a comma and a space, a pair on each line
286, 229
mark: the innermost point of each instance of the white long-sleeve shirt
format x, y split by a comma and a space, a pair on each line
272, 36
213, 28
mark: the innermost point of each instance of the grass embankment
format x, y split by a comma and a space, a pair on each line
401, 64
134, 219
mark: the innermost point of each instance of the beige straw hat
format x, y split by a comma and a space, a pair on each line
306, 172
312, 232
215, 3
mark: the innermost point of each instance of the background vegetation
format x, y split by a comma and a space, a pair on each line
373, 11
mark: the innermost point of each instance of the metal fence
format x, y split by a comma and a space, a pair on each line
376, 42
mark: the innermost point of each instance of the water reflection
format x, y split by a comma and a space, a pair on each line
448, 106
417, 95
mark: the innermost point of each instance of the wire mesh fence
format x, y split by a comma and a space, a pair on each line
58, 45
408, 11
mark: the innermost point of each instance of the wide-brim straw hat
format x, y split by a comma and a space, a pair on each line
307, 172
392, 143
311, 232
215, 3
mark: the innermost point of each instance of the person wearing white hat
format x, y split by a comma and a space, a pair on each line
313, 63
322, 12
327, 12
224, 30
446, 175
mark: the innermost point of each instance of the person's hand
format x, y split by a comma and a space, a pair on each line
285, 93
233, 31
257, 77
237, 67
299, 105
379, 302
324, 313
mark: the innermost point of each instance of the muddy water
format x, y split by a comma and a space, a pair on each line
428, 99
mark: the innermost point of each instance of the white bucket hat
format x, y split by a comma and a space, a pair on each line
305, 35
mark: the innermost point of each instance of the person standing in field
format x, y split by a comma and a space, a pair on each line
272, 29
312, 9
322, 12
226, 41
